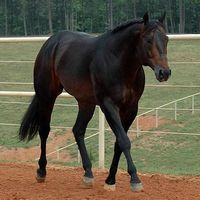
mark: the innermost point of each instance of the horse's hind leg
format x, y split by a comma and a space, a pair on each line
45, 110
84, 115
126, 119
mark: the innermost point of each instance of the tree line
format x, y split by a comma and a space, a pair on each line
43, 17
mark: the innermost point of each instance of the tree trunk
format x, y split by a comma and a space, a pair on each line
25, 24
70, 15
38, 24
82, 17
24, 18
134, 9
182, 16
199, 28
110, 14
170, 16
50, 17
66, 10
6, 17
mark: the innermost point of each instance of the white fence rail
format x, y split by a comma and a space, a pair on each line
66, 95
44, 38
101, 129
27, 94
163, 107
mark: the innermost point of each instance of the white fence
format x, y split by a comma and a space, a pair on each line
100, 132
175, 110
101, 128
44, 38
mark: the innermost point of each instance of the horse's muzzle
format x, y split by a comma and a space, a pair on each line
162, 74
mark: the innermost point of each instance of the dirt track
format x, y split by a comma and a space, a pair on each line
17, 182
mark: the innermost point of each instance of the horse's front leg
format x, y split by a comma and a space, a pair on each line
84, 116
127, 117
110, 181
112, 115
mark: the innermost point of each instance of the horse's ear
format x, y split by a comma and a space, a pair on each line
146, 18
162, 18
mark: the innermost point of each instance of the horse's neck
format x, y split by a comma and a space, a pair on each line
130, 53
125, 44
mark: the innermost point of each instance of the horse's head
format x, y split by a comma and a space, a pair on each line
154, 44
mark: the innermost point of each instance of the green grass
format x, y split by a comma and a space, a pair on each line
169, 154
183, 50
161, 153
19, 51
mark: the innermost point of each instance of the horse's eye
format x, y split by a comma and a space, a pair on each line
149, 41
150, 54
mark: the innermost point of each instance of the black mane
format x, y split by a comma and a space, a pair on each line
126, 25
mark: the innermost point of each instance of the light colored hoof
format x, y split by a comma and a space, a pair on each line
88, 182
108, 187
137, 187
40, 179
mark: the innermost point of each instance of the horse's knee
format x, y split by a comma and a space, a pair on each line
124, 144
117, 149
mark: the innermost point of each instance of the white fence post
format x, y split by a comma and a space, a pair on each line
156, 118
137, 127
79, 157
101, 139
57, 153
175, 110
192, 104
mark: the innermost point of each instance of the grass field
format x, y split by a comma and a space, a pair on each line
173, 154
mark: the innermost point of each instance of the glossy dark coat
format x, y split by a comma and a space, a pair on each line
106, 71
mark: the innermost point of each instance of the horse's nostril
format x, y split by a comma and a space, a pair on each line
167, 72
161, 74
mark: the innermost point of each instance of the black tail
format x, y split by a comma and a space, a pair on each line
30, 122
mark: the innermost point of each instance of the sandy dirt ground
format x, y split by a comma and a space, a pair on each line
17, 182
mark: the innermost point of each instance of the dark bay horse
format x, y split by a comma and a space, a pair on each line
106, 71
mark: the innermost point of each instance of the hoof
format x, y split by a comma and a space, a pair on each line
40, 179
110, 187
137, 187
88, 182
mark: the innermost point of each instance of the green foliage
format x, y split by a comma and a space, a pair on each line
29, 17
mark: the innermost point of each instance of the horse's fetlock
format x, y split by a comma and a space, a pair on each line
134, 177
110, 181
41, 172
42, 163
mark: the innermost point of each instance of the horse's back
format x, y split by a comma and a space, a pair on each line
74, 48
